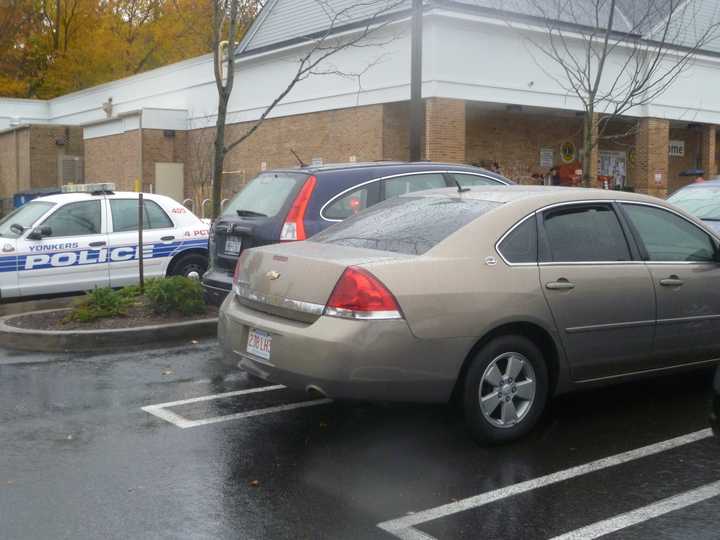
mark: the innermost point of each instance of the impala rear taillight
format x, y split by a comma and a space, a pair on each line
294, 226
360, 295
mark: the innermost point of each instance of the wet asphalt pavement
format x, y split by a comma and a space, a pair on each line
81, 459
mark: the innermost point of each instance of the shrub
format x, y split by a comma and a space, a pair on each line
176, 294
131, 291
98, 304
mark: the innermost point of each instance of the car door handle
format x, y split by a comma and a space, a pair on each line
672, 281
167, 238
561, 284
97, 244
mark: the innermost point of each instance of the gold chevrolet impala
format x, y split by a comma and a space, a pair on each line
500, 296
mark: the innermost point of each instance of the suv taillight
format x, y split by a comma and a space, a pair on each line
294, 226
360, 295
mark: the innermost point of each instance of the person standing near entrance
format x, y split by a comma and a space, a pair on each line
554, 175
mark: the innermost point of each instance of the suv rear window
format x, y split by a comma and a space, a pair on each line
410, 225
265, 195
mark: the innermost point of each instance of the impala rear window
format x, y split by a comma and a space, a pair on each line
410, 225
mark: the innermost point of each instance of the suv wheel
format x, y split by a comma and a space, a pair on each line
191, 266
506, 389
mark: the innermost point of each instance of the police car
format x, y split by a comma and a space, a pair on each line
87, 237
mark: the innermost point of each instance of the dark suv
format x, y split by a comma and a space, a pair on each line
285, 205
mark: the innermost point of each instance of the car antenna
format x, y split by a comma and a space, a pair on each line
300, 161
460, 188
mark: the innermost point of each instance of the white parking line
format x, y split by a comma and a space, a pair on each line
646, 513
219, 396
404, 527
160, 409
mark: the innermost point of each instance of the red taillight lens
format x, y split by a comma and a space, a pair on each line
294, 227
360, 295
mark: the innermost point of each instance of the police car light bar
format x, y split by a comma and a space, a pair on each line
102, 187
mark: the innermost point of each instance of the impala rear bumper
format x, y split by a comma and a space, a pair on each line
344, 359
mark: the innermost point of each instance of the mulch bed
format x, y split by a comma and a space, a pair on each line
136, 316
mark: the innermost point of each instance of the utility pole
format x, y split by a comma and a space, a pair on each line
417, 109
141, 226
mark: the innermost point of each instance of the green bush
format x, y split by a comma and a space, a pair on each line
176, 294
99, 304
131, 291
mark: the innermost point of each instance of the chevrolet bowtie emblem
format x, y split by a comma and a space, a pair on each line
272, 275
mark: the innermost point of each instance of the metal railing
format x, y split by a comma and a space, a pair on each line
203, 204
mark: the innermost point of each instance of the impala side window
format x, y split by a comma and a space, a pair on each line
584, 233
669, 238
520, 245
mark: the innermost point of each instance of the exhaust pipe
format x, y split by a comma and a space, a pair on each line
315, 391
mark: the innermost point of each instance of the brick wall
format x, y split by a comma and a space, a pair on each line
44, 156
161, 148
38, 156
445, 130
396, 131
708, 150
651, 156
115, 158
14, 161
678, 164
333, 136
514, 139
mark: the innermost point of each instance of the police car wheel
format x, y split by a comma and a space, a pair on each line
191, 266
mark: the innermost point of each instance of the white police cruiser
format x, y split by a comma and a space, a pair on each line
87, 237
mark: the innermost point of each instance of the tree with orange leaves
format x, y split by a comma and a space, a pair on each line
52, 47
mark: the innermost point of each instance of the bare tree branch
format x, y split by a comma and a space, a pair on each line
613, 62
318, 50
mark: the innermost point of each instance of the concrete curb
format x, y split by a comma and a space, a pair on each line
25, 339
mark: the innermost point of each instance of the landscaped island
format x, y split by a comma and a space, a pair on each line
167, 300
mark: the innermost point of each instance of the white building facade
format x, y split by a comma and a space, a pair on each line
489, 96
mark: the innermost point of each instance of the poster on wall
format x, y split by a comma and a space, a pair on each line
547, 157
613, 167
567, 152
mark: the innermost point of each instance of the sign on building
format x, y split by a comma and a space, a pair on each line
547, 157
677, 148
567, 152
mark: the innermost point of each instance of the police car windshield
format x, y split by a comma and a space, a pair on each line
25, 216
266, 195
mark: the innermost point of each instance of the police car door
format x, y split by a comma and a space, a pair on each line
158, 231
71, 255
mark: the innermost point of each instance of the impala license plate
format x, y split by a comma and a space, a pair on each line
233, 245
259, 343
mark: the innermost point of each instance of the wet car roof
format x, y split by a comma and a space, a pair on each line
82, 196
549, 195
